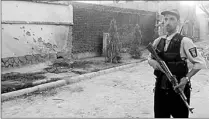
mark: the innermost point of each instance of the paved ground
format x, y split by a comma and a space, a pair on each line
126, 93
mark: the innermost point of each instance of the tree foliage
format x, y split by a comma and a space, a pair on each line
204, 7
113, 44
135, 51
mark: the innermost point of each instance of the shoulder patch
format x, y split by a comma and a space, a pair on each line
193, 51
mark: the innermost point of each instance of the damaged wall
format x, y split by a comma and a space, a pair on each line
35, 32
20, 40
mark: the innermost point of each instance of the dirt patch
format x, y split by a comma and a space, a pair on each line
44, 93
15, 81
72, 89
22, 76
64, 66
18, 80
51, 92
81, 64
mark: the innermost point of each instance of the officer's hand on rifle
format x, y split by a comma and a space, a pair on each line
155, 64
182, 83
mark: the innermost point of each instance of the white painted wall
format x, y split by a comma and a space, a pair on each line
20, 40
26, 39
31, 11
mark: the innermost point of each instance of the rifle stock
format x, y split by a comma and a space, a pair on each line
169, 75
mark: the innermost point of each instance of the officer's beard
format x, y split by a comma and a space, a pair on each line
170, 30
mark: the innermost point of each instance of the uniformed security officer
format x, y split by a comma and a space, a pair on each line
175, 50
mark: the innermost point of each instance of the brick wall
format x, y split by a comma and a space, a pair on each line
90, 21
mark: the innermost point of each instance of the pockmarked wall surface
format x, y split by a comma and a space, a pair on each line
32, 31
20, 39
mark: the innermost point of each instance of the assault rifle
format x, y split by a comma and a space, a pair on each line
169, 75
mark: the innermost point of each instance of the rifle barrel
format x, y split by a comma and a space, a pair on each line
169, 75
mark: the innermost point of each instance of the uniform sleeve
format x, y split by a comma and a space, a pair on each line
193, 55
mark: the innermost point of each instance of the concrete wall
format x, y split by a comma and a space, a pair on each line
31, 30
23, 39
36, 11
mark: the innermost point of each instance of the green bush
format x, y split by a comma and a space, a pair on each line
114, 44
135, 51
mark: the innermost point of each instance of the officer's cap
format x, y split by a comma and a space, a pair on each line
174, 12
